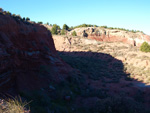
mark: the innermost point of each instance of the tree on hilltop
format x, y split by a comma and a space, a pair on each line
65, 27
23, 18
47, 23
55, 29
40, 22
63, 32
27, 19
9, 13
1, 10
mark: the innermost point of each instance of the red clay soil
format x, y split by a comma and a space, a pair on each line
112, 39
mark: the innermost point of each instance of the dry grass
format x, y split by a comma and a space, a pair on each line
137, 62
13, 106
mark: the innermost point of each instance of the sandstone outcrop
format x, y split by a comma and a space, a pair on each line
112, 35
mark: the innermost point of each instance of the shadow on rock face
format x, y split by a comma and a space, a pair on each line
107, 84
95, 65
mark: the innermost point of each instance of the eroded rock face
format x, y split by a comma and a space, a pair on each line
112, 35
28, 58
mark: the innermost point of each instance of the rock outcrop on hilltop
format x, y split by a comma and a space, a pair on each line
112, 35
27, 55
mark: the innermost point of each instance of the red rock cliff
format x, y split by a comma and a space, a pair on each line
28, 58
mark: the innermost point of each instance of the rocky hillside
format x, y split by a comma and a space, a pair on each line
112, 35
82, 76
117, 68
135, 62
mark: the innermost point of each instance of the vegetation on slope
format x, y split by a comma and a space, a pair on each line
123, 29
85, 25
74, 33
65, 27
89, 25
62, 97
145, 47
99, 69
13, 106
55, 29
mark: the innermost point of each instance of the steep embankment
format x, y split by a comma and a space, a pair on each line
27, 56
112, 35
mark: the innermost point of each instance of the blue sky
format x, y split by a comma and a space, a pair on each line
129, 14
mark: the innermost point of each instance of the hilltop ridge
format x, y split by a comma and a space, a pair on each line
105, 34
112, 35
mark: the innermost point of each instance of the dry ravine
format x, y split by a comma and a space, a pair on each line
65, 74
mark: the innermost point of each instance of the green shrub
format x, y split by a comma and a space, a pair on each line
85, 25
104, 27
27, 19
24, 19
40, 22
1, 10
65, 27
145, 47
63, 32
9, 13
55, 29
47, 23
74, 33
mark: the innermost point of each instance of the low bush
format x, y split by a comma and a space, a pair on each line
55, 29
65, 27
74, 33
40, 22
145, 47
63, 32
